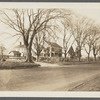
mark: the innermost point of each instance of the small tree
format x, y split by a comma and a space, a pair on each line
2, 49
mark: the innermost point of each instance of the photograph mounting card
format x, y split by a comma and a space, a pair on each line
49, 49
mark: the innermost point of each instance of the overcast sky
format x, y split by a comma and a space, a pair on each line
91, 10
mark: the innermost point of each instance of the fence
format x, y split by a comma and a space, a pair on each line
15, 57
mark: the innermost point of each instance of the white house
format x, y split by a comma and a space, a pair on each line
14, 54
21, 49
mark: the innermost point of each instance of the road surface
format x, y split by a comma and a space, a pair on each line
62, 78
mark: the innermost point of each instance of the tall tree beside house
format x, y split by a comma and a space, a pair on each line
66, 37
92, 41
96, 41
29, 22
79, 27
89, 41
38, 42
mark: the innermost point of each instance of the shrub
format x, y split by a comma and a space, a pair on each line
17, 65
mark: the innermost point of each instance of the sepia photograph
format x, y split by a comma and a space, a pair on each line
50, 47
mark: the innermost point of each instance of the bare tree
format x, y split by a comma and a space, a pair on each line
42, 37
67, 43
92, 41
89, 40
96, 49
96, 41
88, 46
38, 42
29, 22
79, 27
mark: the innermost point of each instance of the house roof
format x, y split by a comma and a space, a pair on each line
53, 44
71, 50
15, 52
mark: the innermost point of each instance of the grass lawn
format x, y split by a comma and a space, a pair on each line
17, 65
78, 63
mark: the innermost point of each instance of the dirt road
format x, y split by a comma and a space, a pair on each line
61, 78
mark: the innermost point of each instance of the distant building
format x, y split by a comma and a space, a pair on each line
52, 49
21, 49
14, 54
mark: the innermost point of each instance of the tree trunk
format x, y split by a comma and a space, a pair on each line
65, 55
37, 58
79, 55
79, 58
28, 55
88, 57
29, 48
95, 57
94, 53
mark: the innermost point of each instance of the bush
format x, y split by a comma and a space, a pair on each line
50, 59
4, 57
